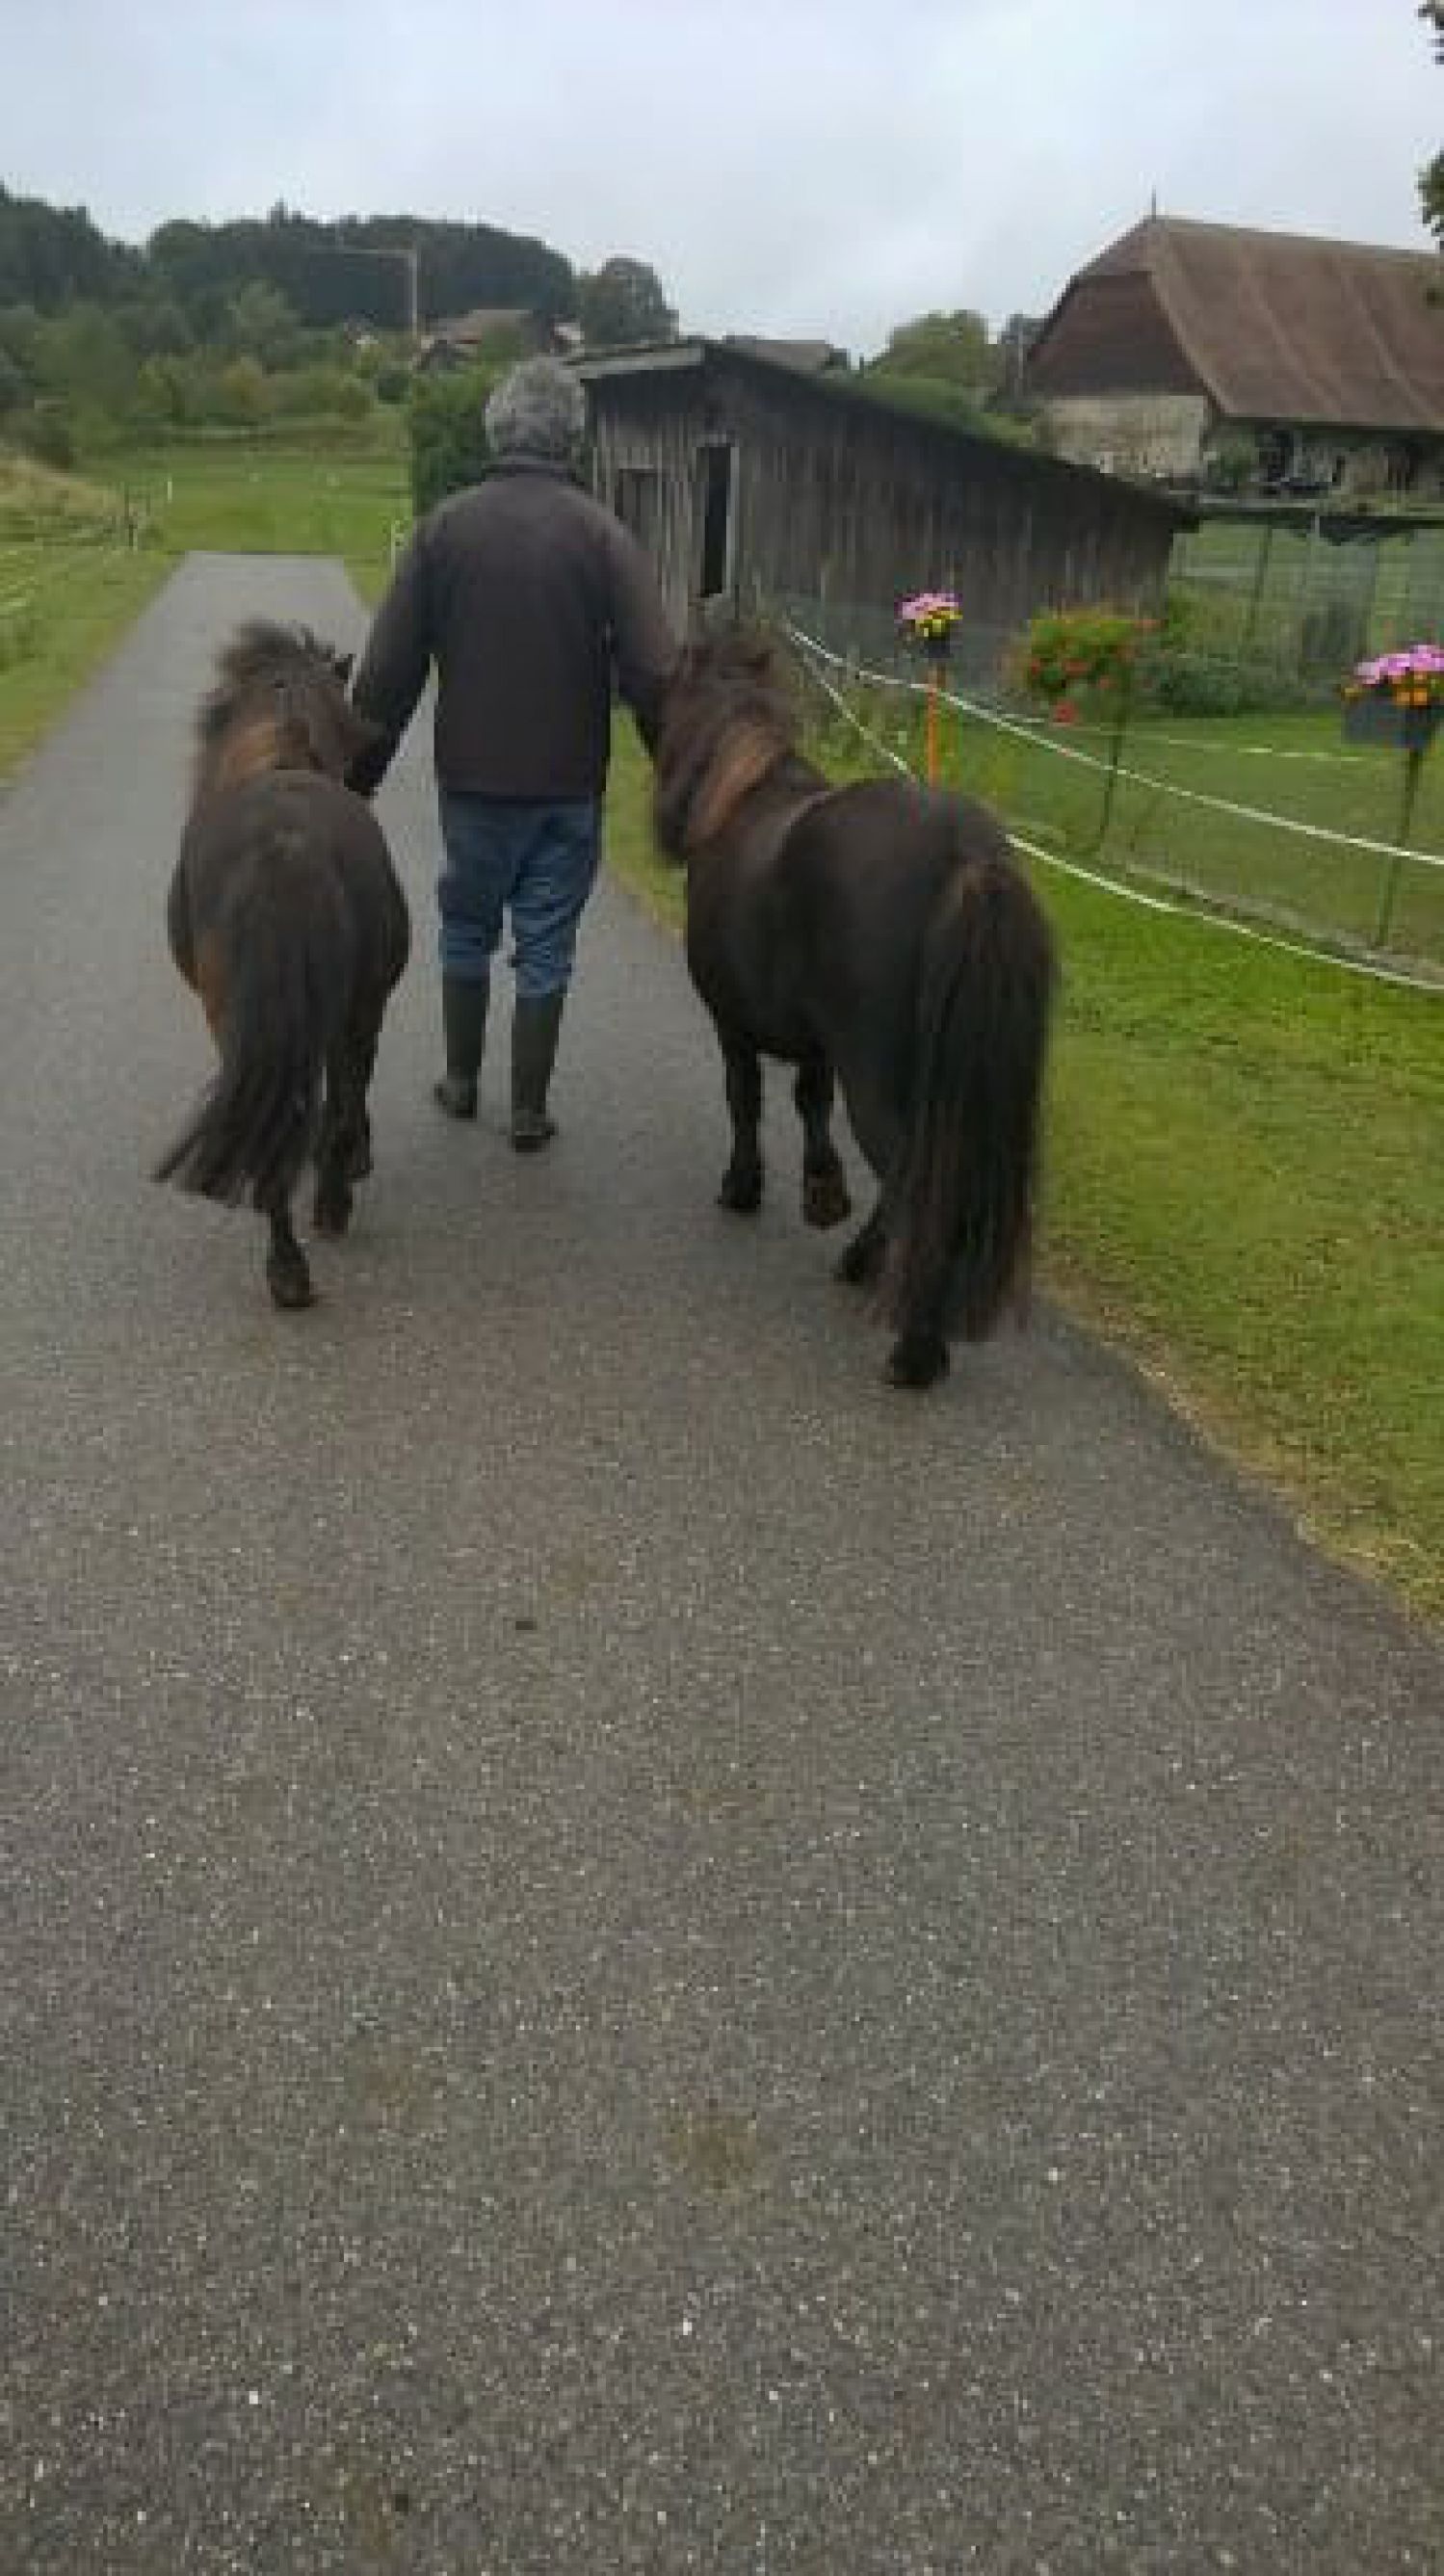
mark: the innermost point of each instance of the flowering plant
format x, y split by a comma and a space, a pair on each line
928, 619
1413, 676
1071, 649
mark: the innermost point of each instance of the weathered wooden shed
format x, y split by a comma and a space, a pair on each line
749, 481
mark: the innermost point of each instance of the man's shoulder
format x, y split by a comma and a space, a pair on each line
501, 495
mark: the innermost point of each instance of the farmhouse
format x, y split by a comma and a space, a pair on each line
514, 328
749, 479
1254, 360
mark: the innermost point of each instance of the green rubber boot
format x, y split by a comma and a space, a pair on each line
463, 1021
535, 1029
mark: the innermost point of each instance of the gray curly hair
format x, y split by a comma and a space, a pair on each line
539, 410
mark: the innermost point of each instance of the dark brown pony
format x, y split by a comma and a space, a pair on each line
286, 916
882, 937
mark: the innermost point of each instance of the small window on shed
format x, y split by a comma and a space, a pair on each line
715, 477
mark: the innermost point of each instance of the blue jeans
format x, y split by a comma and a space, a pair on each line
538, 862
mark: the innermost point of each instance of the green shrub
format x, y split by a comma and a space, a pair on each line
447, 429
1186, 682
320, 393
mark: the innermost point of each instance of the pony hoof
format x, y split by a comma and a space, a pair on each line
741, 1192
917, 1361
290, 1289
824, 1200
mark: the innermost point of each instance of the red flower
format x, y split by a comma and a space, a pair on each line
1065, 712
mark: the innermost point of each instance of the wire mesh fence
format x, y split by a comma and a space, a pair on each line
1305, 596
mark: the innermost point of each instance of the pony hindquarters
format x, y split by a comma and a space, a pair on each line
275, 965
960, 1198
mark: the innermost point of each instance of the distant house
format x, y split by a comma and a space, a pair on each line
512, 329
748, 480
1202, 352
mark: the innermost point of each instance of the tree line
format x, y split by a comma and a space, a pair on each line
285, 318
329, 273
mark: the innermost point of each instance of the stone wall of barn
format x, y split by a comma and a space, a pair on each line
1152, 434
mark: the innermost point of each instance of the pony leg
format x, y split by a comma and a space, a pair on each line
742, 1181
344, 1152
824, 1187
358, 1164
861, 1263
331, 1210
287, 1276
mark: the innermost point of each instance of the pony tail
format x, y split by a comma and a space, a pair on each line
963, 1189
283, 969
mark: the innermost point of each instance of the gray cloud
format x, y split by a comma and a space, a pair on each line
793, 166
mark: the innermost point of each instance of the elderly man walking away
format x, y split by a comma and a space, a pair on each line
531, 599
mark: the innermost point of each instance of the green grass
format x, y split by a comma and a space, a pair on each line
68, 590
1245, 1188
264, 496
67, 594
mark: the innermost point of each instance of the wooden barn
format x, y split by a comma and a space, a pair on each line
750, 481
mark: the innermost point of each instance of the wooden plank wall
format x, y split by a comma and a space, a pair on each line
846, 503
655, 424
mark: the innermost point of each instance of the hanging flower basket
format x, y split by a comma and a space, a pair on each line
926, 622
1397, 699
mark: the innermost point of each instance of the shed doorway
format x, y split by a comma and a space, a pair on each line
716, 511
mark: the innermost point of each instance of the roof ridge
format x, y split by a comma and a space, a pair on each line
1272, 233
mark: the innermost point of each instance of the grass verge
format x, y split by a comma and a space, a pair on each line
63, 638
1245, 1189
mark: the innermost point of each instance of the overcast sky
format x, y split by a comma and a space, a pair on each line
826, 167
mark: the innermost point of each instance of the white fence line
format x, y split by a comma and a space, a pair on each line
1110, 885
1137, 777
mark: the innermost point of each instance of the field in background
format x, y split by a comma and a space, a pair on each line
335, 497
79, 557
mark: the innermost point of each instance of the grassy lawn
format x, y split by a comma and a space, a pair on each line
69, 589
267, 497
1245, 1187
